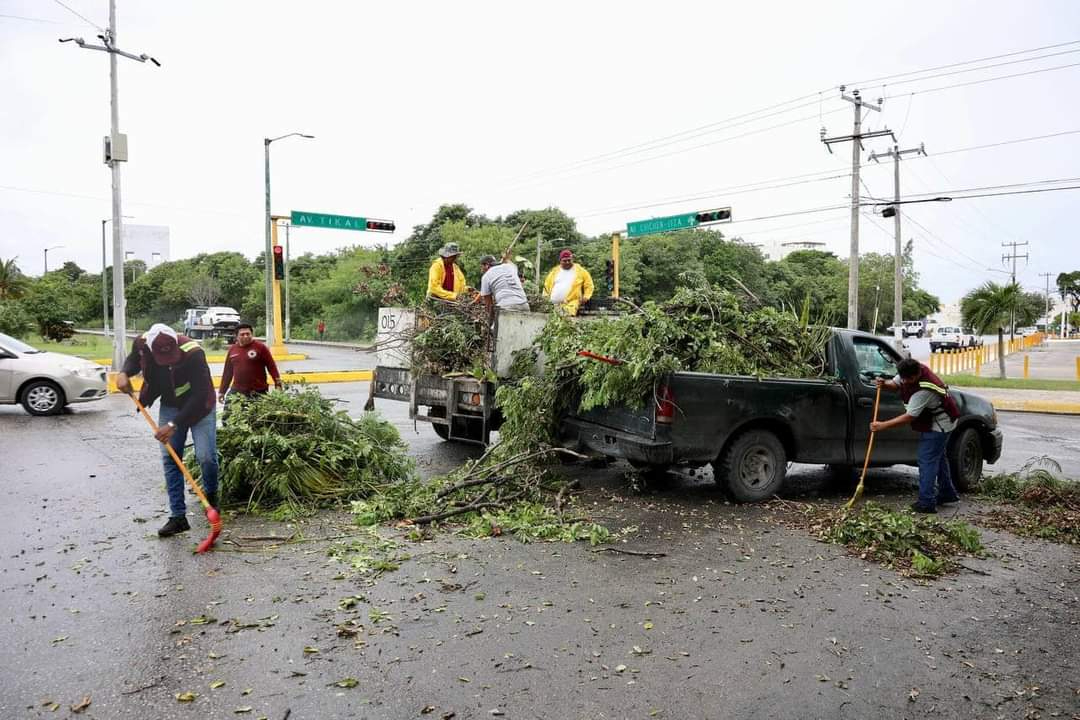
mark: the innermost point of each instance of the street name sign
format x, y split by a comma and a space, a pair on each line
661, 225
326, 220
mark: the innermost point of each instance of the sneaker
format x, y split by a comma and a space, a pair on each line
916, 507
174, 526
949, 501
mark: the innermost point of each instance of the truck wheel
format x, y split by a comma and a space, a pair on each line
442, 431
753, 467
965, 456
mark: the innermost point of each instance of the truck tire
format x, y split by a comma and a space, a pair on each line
441, 430
753, 466
965, 457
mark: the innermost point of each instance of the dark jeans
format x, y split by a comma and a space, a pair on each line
934, 469
204, 435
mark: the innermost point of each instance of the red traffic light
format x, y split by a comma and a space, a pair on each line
380, 226
279, 262
279, 251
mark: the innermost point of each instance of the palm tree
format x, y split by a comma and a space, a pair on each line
991, 306
12, 281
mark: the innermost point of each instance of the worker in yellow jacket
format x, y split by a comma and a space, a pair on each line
568, 285
445, 279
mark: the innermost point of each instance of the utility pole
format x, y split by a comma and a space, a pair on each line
536, 270
288, 315
855, 138
1046, 315
115, 153
1013, 256
898, 269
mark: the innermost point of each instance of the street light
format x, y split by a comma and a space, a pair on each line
54, 247
268, 260
104, 293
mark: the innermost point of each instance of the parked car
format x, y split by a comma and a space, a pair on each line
44, 382
1025, 331
950, 337
912, 328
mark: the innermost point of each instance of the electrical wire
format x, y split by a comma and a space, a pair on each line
877, 80
986, 80
81, 17
982, 67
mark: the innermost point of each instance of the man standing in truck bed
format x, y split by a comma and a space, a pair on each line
246, 366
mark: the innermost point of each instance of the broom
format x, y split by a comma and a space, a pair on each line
212, 515
866, 462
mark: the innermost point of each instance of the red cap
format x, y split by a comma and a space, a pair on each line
165, 350
565, 254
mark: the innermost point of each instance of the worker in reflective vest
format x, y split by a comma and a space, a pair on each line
174, 370
932, 412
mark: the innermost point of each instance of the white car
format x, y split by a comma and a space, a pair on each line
1025, 331
950, 337
44, 382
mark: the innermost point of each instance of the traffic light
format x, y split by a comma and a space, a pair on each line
609, 273
279, 262
713, 216
380, 226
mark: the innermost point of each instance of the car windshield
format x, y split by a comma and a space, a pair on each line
16, 346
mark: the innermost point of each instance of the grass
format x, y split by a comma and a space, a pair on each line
1012, 383
84, 346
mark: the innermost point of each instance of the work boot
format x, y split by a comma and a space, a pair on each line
949, 500
212, 498
923, 509
174, 526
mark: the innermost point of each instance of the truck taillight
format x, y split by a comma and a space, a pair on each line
665, 405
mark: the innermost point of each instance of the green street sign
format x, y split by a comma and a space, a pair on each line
661, 225
325, 220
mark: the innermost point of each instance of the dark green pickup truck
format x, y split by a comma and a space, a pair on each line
749, 428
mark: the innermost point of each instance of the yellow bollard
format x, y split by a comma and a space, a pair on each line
1027, 366
1078, 367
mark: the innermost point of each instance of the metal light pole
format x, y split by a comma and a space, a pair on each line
104, 265
116, 153
54, 247
268, 260
288, 314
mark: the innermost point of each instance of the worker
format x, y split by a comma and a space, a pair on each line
246, 366
174, 370
932, 412
501, 287
568, 285
445, 279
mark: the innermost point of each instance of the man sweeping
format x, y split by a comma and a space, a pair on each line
932, 413
174, 370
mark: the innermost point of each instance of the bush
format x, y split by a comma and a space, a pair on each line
14, 320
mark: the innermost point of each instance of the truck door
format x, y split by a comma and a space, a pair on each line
874, 359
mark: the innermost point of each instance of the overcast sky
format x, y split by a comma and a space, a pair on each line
506, 105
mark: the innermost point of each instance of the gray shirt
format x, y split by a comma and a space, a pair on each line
928, 400
502, 282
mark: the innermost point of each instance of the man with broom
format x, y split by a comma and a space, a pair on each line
174, 370
932, 412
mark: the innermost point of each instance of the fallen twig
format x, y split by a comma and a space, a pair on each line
638, 553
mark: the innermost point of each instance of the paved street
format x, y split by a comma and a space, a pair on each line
742, 616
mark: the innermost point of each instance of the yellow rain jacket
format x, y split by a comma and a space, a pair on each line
437, 274
580, 291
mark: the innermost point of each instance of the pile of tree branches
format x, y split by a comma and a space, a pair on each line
451, 337
1035, 502
291, 451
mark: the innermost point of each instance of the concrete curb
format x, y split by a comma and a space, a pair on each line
1035, 406
331, 376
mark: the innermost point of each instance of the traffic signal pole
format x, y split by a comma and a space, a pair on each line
277, 347
615, 264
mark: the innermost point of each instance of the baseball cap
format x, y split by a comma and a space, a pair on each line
163, 344
565, 254
449, 250
489, 260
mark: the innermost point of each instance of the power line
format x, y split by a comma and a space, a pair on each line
983, 67
31, 19
986, 80
993, 187
81, 17
876, 80
1007, 142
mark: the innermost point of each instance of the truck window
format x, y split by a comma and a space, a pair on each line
875, 359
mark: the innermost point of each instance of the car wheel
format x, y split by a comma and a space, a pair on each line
43, 397
753, 467
965, 456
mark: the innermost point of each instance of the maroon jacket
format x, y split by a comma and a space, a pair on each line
186, 385
246, 368
929, 381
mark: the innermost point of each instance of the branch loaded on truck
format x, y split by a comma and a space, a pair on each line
747, 427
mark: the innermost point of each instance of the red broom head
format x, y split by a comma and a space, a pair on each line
214, 518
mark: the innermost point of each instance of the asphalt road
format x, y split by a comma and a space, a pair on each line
738, 613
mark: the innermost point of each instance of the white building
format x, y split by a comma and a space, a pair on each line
779, 251
149, 243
